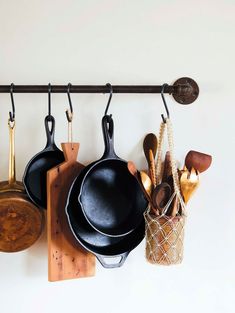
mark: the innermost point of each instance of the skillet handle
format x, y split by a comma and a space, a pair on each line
107, 127
122, 257
50, 133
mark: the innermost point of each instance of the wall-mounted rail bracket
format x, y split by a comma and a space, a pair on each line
185, 91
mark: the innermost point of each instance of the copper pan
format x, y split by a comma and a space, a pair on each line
21, 222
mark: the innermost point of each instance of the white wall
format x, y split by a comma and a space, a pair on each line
126, 42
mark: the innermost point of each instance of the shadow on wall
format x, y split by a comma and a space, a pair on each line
36, 257
137, 155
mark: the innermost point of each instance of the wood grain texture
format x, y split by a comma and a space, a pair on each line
152, 169
167, 171
198, 160
66, 258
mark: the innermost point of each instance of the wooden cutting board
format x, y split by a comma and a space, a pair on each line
66, 258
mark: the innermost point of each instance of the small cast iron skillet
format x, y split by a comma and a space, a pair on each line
105, 248
35, 175
109, 196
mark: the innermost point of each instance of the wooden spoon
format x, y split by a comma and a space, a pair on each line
146, 182
150, 143
198, 160
150, 150
132, 169
160, 196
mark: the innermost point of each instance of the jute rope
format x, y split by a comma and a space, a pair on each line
168, 126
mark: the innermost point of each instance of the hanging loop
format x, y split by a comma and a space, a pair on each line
110, 98
49, 102
164, 102
69, 112
12, 114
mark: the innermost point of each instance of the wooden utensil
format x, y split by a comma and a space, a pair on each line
132, 169
160, 196
198, 160
189, 182
167, 177
174, 207
150, 150
167, 171
150, 143
146, 182
152, 168
66, 258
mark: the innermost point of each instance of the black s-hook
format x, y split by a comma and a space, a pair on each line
164, 102
12, 114
49, 101
69, 113
110, 98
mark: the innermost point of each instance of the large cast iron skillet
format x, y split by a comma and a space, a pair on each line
110, 197
104, 247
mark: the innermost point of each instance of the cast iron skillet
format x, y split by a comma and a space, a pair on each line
35, 175
110, 197
104, 247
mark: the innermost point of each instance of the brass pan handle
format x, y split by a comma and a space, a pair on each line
12, 171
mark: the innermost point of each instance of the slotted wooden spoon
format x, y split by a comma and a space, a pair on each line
189, 181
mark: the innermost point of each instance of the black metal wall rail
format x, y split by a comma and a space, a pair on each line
185, 90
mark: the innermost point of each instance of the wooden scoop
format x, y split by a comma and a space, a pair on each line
198, 160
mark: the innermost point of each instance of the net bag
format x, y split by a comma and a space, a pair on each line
165, 232
164, 239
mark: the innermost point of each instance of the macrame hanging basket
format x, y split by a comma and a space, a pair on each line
164, 239
164, 233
